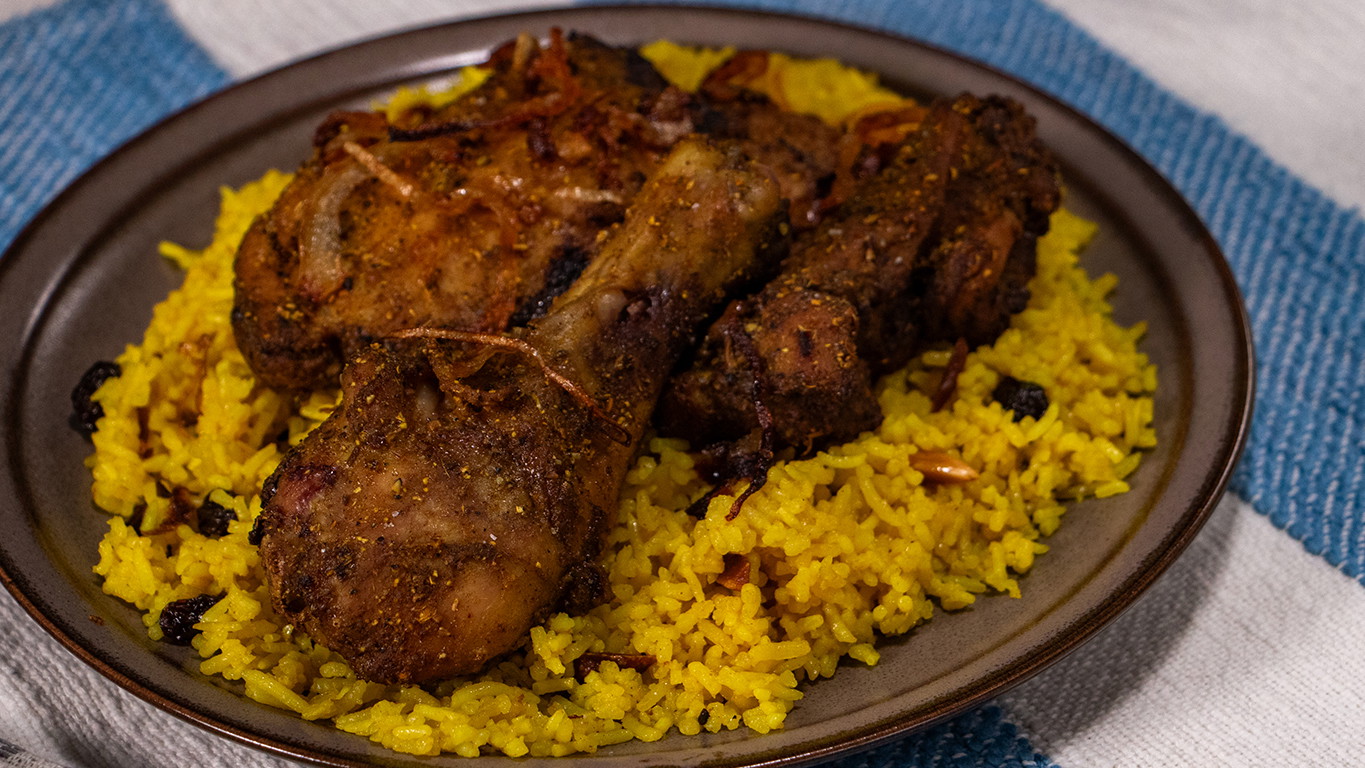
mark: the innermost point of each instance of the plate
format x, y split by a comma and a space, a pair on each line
80, 282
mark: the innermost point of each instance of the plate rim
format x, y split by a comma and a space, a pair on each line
1174, 543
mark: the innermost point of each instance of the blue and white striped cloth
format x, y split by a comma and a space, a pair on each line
1250, 651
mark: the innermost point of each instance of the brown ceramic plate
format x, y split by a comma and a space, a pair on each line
81, 281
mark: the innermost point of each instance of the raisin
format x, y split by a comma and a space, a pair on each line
179, 617
86, 414
257, 531
1023, 397
213, 519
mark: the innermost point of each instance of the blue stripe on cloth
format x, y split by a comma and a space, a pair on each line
1298, 256
977, 739
77, 80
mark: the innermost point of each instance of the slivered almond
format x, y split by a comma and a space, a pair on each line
941, 468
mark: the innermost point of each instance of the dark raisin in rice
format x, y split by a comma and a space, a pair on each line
1023, 397
179, 617
86, 414
257, 532
213, 519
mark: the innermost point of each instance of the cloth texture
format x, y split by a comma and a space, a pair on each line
79, 79
1246, 652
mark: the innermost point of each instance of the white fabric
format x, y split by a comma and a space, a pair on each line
1245, 626
11, 8
1290, 75
60, 709
265, 34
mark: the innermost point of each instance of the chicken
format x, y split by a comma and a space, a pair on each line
470, 216
800, 150
462, 489
1005, 189
937, 245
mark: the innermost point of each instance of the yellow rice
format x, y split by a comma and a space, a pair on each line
844, 547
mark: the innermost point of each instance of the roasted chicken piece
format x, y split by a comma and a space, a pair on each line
470, 216
462, 489
1005, 189
801, 151
937, 245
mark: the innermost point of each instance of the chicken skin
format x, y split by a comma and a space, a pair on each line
937, 245
469, 216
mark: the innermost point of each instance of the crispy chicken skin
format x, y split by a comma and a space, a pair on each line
937, 245
800, 150
462, 489
471, 216
1006, 189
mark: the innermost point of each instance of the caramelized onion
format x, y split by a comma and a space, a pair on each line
727, 82
550, 67
374, 165
947, 385
320, 240
579, 395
